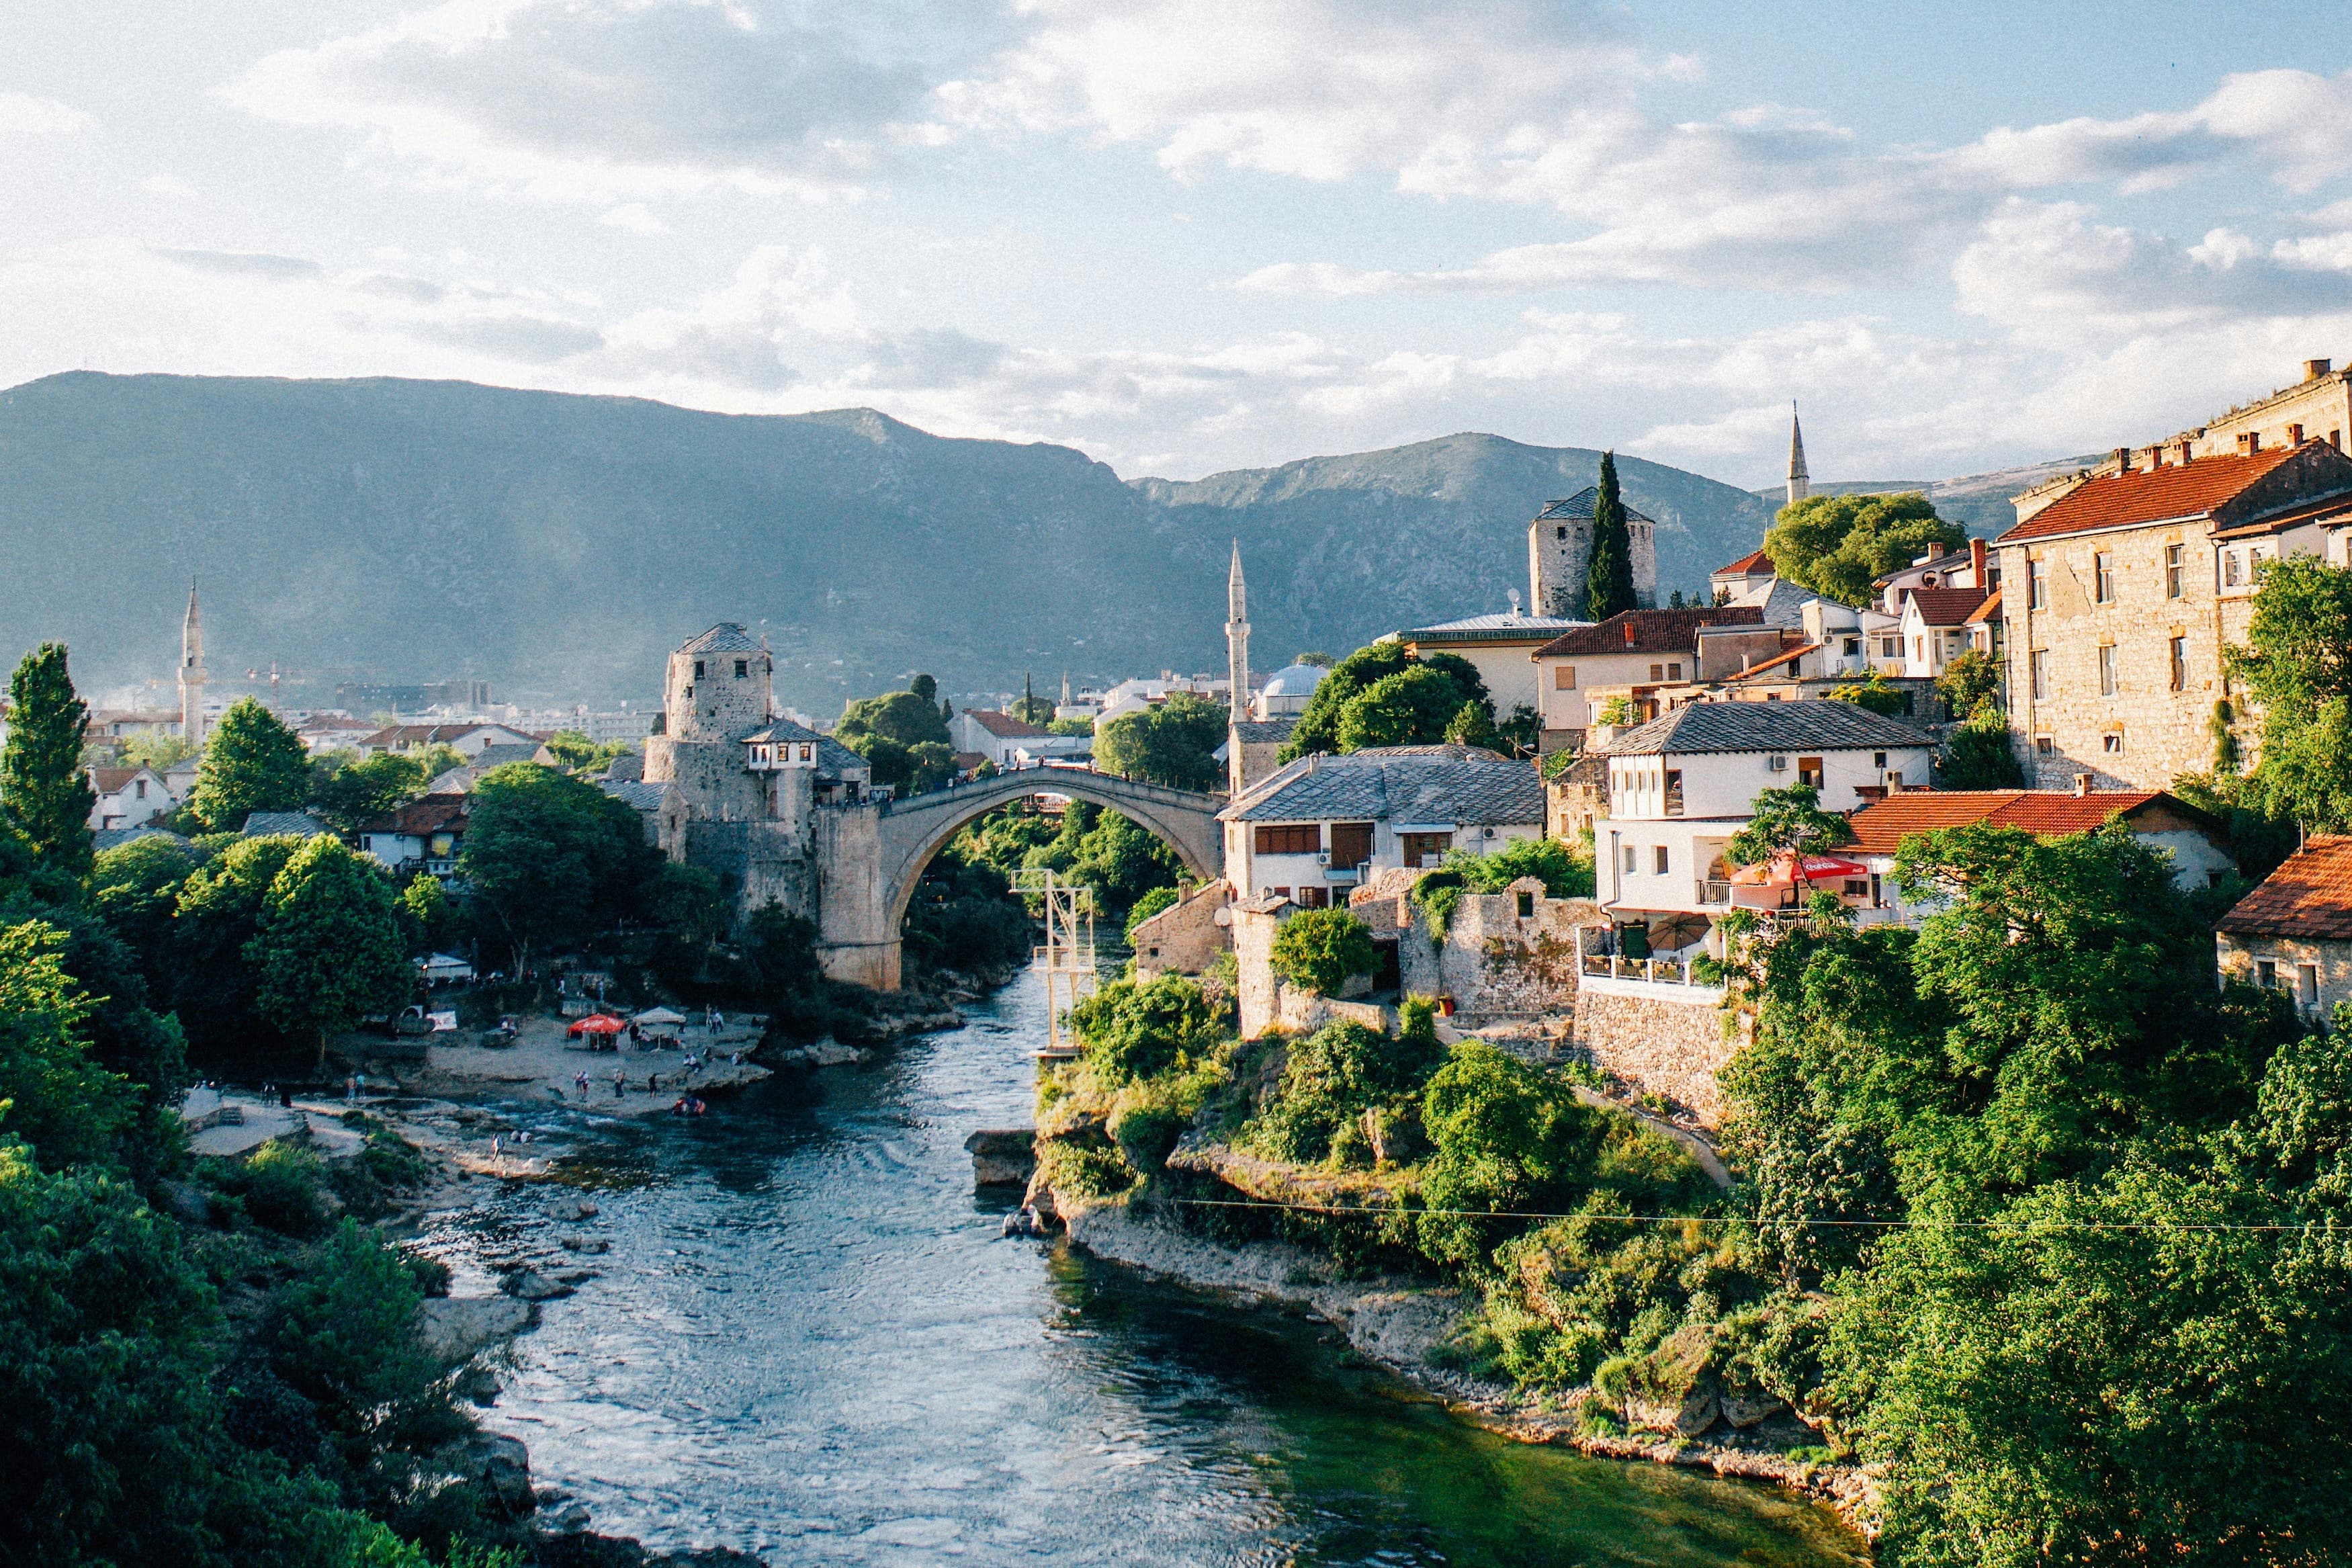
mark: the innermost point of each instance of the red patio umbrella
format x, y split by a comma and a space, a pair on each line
596, 1024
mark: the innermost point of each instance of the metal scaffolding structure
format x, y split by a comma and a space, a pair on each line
1067, 957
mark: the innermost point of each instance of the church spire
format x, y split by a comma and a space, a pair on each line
192, 671
1237, 634
1801, 484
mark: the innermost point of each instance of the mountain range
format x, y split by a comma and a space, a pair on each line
558, 546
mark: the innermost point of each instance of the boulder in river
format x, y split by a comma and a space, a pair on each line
1745, 1410
1002, 1156
496, 1467
531, 1285
453, 1330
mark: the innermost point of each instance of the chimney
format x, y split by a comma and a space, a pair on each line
2082, 784
2313, 369
1629, 634
1976, 559
2188, 451
2123, 459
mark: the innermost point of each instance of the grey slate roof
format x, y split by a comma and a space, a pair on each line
636, 792
1578, 508
832, 756
498, 756
1260, 732
1765, 727
725, 638
1397, 783
1502, 626
284, 824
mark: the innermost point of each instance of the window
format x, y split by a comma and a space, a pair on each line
2173, 554
2180, 664
2229, 568
2306, 984
2043, 746
2266, 974
1809, 770
1657, 672
2103, 576
1290, 838
697, 670
1526, 905
2107, 670
1919, 651
1564, 531
1673, 792
1890, 647
2295, 435
1563, 677
1351, 845
1423, 848
1852, 647
1675, 671
1658, 859
1878, 759
2037, 585
2112, 742
1630, 864
808, 753
742, 667
1313, 898
141, 789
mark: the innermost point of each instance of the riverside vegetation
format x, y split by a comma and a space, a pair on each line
2031, 1220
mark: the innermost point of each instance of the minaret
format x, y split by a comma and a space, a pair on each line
192, 672
1237, 635
1801, 484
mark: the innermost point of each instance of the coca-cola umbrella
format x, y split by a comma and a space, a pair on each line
596, 1024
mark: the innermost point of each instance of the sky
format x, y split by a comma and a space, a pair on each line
1185, 236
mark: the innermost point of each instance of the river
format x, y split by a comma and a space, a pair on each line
807, 1342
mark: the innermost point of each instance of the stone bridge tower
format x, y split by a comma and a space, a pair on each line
715, 692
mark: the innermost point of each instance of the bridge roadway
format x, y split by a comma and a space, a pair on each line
871, 857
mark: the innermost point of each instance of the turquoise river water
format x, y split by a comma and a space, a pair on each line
807, 1342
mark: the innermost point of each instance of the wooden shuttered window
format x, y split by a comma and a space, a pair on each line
1351, 845
1289, 837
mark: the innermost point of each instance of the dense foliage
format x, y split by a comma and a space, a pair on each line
550, 858
1787, 819
1608, 576
252, 762
2298, 667
1322, 949
1174, 743
1836, 544
1367, 700
903, 736
44, 793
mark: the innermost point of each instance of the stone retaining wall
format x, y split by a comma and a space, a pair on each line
1668, 1045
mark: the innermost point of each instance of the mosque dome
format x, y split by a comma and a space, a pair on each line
1294, 681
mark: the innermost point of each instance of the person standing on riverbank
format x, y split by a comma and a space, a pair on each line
619, 1083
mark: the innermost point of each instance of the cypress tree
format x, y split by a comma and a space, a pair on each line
1609, 580
252, 762
43, 790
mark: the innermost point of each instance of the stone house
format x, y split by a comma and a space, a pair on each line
2196, 844
2318, 407
1507, 954
1189, 935
2294, 931
1253, 751
1636, 653
1315, 830
2121, 594
425, 834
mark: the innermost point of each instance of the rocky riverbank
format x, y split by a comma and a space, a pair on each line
1398, 1323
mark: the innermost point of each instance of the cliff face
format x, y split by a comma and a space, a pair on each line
559, 546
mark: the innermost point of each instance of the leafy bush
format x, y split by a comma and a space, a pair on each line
282, 1187
1130, 1031
1320, 950
1330, 1080
1149, 905
1565, 870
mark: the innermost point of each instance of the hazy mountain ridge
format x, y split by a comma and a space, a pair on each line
560, 545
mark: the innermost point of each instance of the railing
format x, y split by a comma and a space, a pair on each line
1715, 892
1656, 971
1343, 873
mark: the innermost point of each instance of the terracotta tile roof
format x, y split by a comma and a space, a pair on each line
1004, 726
433, 813
1654, 631
2148, 495
111, 780
1753, 670
1752, 564
2332, 509
1881, 828
1987, 613
1947, 607
2310, 896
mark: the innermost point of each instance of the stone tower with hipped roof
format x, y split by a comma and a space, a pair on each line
1801, 484
192, 672
716, 690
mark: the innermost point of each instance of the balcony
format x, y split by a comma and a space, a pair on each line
1664, 979
1713, 892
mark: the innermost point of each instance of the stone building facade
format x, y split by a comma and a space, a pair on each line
2293, 932
1189, 935
1559, 555
2119, 597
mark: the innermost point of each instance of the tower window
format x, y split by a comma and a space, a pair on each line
742, 667
697, 670
1564, 531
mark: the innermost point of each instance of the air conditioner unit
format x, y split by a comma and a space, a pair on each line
1778, 765
1323, 856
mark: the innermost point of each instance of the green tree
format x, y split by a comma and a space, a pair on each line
899, 716
1971, 684
1979, 755
252, 762
1609, 575
342, 1335
1172, 744
924, 687
365, 788
328, 952
1033, 708
1875, 693
430, 919
1789, 818
1322, 949
43, 790
52, 1094
1314, 658
1330, 1080
1149, 905
1413, 707
550, 858
1130, 1031
206, 980
2298, 667
1319, 726
1836, 545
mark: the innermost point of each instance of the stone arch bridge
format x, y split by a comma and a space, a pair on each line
871, 856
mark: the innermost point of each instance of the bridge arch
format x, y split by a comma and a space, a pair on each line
877, 853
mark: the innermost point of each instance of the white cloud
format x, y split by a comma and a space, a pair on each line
23, 114
635, 218
594, 100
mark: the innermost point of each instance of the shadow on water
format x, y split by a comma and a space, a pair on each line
807, 1342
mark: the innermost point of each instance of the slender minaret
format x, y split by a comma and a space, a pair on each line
192, 672
1801, 484
1237, 635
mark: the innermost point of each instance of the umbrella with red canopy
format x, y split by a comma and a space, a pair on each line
596, 1024
1785, 868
